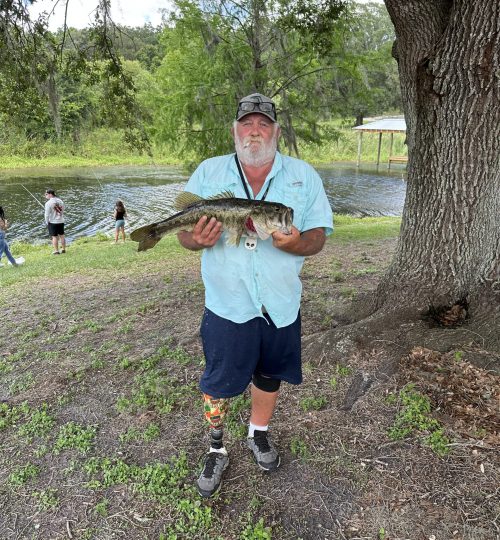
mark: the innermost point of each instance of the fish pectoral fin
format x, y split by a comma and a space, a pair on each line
185, 199
261, 231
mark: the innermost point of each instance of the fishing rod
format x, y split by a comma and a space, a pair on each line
33, 196
97, 178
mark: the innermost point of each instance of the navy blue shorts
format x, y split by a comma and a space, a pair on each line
234, 352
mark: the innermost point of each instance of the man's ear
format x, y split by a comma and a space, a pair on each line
232, 132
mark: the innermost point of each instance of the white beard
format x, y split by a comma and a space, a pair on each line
255, 155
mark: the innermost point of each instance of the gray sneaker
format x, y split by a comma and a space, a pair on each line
265, 454
210, 478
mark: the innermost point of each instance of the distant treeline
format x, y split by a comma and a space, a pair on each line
175, 86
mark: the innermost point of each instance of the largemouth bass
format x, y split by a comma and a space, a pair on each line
238, 217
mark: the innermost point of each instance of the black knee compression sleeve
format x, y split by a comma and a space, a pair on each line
266, 384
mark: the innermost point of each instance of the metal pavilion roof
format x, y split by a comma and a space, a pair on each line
385, 125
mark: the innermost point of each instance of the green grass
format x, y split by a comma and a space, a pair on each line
415, 416
87, 256
100, 147
349, 228
91, 256
23, 474
73, 435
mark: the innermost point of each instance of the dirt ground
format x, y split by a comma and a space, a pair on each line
122, 358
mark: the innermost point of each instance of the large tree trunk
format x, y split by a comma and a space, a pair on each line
448, 53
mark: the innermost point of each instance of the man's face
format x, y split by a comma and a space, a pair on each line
256, 139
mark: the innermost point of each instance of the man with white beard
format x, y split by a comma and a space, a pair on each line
251, 325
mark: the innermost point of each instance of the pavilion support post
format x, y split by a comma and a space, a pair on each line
360, 140
390, 151
378, 151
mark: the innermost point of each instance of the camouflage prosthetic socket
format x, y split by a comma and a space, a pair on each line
215, 410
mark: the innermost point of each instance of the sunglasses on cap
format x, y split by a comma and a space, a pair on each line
251, 106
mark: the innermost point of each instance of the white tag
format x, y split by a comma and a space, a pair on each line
250, 242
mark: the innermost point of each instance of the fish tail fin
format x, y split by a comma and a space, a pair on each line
147, 237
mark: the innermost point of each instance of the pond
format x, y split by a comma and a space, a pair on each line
149, 191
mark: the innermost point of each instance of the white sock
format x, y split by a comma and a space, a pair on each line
219, 450
253, 427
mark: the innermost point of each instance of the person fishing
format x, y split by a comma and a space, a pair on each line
119, 216
4, 247
251, 325
54, 219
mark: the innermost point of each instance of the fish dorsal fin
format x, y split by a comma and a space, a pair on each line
227, 194
186, 199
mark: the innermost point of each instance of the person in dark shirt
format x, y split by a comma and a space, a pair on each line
119, 215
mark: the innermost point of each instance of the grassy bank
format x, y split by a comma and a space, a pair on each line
99, 255
106, 147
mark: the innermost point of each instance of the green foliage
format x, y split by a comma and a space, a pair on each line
193, 519
101, 508
343, 371
23, 383
9, 415
47, 499
77, 436
216, 53
299, 448
153, 390
159, 481
338, 277
39, 423
7, 361
22, 475
414, 415
256, 531
151, 432
313, 403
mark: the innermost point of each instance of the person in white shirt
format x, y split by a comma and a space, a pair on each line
54, 218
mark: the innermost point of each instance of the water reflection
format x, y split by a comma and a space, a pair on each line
148, 192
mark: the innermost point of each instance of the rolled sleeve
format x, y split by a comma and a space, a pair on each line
318, 212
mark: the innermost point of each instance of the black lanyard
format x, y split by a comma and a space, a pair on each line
245, 184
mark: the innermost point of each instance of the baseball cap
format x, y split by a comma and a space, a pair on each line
256, 103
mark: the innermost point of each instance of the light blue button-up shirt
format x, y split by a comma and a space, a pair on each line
239, 282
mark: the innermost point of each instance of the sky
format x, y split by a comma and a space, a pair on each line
81, 12
124, 12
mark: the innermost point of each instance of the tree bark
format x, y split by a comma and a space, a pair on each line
448, 53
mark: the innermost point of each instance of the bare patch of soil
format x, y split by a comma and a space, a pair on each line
122, 355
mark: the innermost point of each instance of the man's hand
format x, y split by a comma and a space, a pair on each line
205, 234
308, 243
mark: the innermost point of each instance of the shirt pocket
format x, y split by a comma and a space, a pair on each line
293, 193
